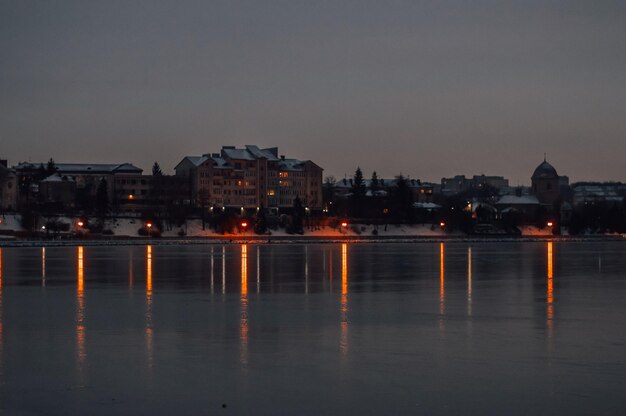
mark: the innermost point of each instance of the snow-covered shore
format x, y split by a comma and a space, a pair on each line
125, 232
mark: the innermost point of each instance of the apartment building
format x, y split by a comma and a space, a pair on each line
251, 177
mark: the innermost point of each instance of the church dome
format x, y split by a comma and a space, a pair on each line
545, 171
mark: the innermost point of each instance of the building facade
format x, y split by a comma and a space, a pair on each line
546, 183
249, 178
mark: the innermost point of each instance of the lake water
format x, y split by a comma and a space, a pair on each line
426, 328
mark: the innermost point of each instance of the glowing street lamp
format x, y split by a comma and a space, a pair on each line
442, 224
244, 226
80, 224
550, 224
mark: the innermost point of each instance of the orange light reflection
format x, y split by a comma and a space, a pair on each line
442, 278
550, 290
80, 309
149, 334
243, 320
343, 341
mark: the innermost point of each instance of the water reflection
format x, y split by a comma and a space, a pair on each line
130, 270
243, 319
149, 300
330, 271
442, 290
258, 269
80, 310
306, 269
43, 266
550, 292
343, 341
212, 271
469, 281
1, 327
223, 270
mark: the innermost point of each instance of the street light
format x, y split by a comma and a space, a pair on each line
550, 224
80, 224
442, 224
244, 225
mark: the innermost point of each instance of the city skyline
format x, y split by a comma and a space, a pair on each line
426, 89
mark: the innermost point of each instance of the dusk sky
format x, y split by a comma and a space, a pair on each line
429, 89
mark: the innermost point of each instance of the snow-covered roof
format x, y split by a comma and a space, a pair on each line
518, 200
426, 205
55, 177
383, 183
197, 160
219, 162
544, 171
258, 153
82, 168
290, 164
240, 154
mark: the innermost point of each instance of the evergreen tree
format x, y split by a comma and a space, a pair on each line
102, 197
156, 170
50, 168
260, 224
358, 193
374, 183
402, 198
297, 223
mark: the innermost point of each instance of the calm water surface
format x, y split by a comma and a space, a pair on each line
454, 328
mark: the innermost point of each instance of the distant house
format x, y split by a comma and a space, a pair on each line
57, 190
85, 177
526, 205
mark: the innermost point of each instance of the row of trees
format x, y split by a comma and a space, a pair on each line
395, 204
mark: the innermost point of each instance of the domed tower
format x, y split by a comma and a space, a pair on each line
545, 183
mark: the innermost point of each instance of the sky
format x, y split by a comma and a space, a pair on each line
423, 88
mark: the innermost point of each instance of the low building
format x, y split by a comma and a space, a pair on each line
57, 191
599, 193
86, 176
149, 192
526, 205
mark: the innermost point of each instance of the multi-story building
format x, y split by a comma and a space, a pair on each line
86, 176
251, 177
459, 183
134, 193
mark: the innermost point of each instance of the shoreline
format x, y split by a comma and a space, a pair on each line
297, 239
